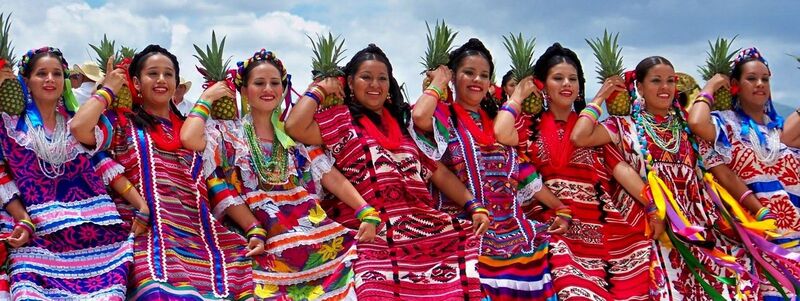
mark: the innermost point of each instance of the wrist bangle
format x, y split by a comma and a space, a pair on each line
437, 90
127, 188
110, 92
100, 99
744, 195
706, 95
506, 107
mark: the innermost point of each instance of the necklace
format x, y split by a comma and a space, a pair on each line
51, 152
483, 137
271, 170
769, 151
652, 126
392, 142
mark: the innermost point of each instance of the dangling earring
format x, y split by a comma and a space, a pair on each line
389, 98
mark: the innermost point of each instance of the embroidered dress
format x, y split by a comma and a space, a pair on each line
672, 278
604, 254
772, 173
81, 251
418, 253
308, 256
186, 254
513, 263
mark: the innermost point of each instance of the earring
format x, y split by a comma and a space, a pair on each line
389, 98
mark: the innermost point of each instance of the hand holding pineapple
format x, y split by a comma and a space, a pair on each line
716, 83
5, 74
439, 77
114, 79
610, 85
525, 88
331, 86
216, 92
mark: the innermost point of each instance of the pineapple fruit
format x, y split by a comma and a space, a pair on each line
214, 70
11, 99
609, 63
124, 97
325, 63
440, 43
719, 61
688, 86
521, 52
105, 49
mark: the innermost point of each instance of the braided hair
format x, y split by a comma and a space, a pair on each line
396, 104
457, 56
140, 117
554, 55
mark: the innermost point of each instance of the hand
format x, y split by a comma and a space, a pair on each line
331, 87
115, 79
657, 226
718, 81
440, 77
610, 85
524, 89
216, 92
138, 228
19, 237
255, 247
366, 232
5, 74
481, 223
558, 226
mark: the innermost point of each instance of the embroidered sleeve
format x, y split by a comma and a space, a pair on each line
529, 182
433, 144
317, 162
336, 127
107, 168
719, 151
211, 153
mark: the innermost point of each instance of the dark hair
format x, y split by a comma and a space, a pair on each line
554, 55
506, 78
470, 48
398, 107
254, 64
26, 72
648, 63
139, 116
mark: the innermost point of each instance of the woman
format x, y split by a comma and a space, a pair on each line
693, 259
69, 241
747, 140
603, 254
185, 252
308, 256
508, 84
512, 265
419, 253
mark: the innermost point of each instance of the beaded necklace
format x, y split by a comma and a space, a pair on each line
271, 170
766, 147
652, 126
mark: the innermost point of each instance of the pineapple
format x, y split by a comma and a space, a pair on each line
214, 70
719, 61
127, 52
325, 63
107, 48
124, 97
521, 52
609, 63
440, 42
11, 99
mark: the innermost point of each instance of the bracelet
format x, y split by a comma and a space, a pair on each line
257, 232
744, 195
201, 109
104, 94
127, 188
471, 205
313, 96
438, 91
509, 109
764, 213
706, 95
368, 214
26, 225
100, 99
431, 93
702, 100
107, 89
592, 111
141, 217
481, 210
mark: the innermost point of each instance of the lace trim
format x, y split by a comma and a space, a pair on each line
435, 152
525, 194
7, 192
219, 209
24, 140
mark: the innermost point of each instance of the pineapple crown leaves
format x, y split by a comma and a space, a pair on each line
6, 48
608, 54
521, 52
719, 58
127, 52
107, 48
213, 67
327, 55
440, 43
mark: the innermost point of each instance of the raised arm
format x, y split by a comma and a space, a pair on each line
300, 123
82, 124
193, 130
504, 124
587, 131
426, 104
700, 115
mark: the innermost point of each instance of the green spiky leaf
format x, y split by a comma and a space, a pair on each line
796, 58
719, 58
327, 56
127, 52
104, 50
440, 43
608, 54
6, 48
520, 50
214, 68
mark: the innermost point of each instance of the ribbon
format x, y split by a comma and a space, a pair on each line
667, 206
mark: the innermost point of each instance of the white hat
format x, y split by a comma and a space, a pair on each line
90, 70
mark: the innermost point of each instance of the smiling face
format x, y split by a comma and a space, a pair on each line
370, 84
46, 81
658, 87
562, 85
753, 84
264, 89
472, 80
156, 80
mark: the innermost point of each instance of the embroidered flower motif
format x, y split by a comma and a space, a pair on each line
329, 251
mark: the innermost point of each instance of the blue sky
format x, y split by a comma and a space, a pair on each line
678, 30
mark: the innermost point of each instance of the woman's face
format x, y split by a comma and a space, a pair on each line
562, 85
370, 84
754, 84
264, 89
509, 87
472, 80
46, 82
658, 87
157, 80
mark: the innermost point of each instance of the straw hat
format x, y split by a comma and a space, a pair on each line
90, 70
188, 84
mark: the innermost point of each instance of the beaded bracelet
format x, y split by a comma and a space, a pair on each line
26, 225
110, 92
509, 109
201, 109
745, 195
